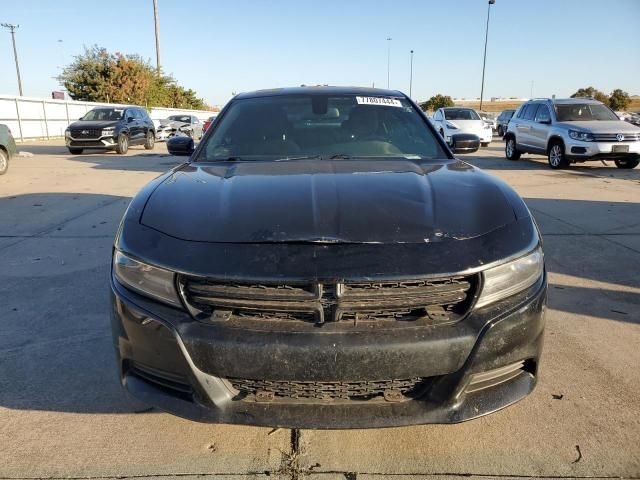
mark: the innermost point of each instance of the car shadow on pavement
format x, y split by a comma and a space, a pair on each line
137, 159
56, 349
497, 161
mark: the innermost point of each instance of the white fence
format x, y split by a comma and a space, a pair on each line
31, 118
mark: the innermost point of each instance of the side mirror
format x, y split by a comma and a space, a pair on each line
545, 122
180, 146
465, 143
130, 119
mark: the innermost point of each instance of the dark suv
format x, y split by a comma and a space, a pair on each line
323, 260
112, 129
503, 121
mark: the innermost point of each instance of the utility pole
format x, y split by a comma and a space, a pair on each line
12, 29
155, 18
388, 58
484, 62
411, 75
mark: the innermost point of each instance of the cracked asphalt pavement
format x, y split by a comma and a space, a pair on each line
64, 415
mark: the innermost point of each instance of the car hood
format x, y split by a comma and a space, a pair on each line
603, 126
94, 124
324, 201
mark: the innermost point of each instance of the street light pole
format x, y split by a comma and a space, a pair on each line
388, 58
484, 62
12, 29
155, 19
411, 75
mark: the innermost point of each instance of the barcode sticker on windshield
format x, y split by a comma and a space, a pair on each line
383, 101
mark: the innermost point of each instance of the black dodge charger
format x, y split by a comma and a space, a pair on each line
322, 260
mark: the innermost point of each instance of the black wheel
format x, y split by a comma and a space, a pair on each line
123, 144
4, 162
75, 151
500, 131
627, 164
510, 150
484, 144
150, 140
557, 158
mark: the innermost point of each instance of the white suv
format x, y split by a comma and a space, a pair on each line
572, 130
450, 121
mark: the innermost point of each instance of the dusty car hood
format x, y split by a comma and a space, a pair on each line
173, 123
94, 124
323, 201
603, 126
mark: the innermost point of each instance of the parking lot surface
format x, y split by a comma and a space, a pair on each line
63, 413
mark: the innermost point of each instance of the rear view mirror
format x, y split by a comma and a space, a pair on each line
181, 146
545, 122
465, 143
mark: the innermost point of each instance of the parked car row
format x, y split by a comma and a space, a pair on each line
118, 128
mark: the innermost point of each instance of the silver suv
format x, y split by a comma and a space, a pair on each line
572, 130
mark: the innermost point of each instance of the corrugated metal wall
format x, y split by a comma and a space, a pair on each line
31, 118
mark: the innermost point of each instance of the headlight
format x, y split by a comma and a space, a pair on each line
451, 126
583, 136
108, 131
145, 279
67, 133
513, 277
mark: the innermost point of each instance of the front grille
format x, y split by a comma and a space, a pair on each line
425, 301
82, 133
613, 137
270, 390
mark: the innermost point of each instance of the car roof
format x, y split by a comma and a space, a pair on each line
457, 108
321, 90
567, 101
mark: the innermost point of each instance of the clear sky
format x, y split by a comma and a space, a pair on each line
222, 46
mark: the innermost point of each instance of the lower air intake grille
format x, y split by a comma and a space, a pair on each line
393, 390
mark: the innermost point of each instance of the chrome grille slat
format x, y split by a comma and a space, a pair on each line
612, 137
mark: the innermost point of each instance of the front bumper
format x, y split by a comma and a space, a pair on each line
577, 150
486, 134
101, 142
484, 363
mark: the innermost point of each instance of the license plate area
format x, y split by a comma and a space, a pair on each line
620, 148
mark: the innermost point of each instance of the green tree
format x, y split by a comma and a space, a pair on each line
98, 76
436, 102
592, 92
619, 100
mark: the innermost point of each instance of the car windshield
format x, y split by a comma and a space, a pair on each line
180, 118
578, 112
103, 114
326, 126
461, 114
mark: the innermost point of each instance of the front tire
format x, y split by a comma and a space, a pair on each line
484, 144
4, 162
75, 151
150, 141
627, 164
556, 156
500, 131
122, 146
510, 149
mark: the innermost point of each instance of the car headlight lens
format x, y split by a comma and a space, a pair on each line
512, 277
583, 136
145, 279
67, 133
451, 126
108, 131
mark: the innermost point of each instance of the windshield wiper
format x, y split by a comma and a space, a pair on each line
340, 156
303, 157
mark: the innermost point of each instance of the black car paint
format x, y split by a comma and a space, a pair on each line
135, 129
324, 223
